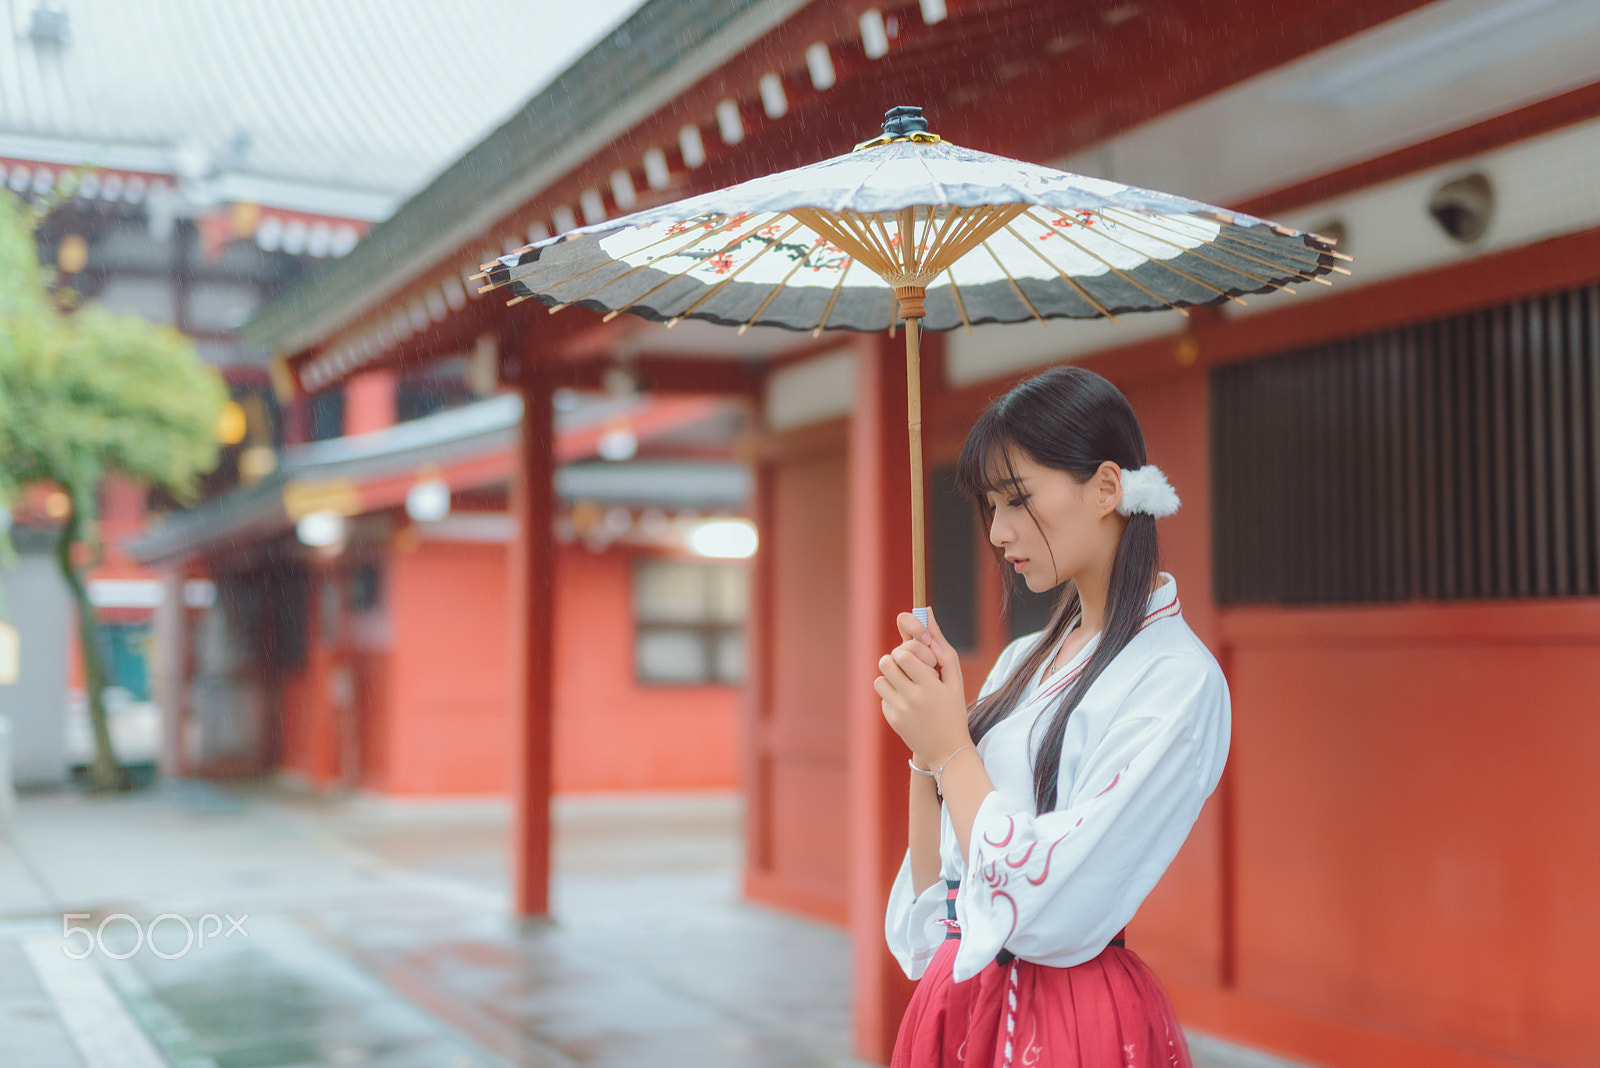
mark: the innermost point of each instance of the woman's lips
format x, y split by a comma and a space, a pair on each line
1018, 565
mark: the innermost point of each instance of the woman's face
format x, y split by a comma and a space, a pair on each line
1076, 530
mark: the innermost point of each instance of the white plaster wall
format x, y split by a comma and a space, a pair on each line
38, 605
810, 391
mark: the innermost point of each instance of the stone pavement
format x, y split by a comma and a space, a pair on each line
370, 932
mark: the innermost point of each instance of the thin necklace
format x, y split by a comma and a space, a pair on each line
1052, 668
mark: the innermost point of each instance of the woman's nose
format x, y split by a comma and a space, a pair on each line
998, 535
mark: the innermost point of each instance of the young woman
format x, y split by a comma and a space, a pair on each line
1043, 815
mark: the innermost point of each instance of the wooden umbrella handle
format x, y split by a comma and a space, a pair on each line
912, 310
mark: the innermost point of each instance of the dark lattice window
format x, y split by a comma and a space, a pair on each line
1452, 459
327, 414
953, 559
689, 618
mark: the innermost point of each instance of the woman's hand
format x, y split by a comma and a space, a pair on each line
924, 698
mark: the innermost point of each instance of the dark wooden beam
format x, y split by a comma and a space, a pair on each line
669, 374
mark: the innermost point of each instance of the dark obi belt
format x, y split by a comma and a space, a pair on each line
1005, 956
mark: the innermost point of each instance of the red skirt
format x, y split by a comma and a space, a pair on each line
1109, 1012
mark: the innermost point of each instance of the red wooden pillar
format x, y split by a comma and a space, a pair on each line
533, 637
322, 731
369, 402
757, 741
297, 421
880, 587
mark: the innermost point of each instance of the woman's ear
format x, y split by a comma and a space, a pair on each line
1107, 485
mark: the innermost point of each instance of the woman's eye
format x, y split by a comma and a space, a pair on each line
1015, 502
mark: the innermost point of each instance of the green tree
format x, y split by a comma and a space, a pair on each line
83, 393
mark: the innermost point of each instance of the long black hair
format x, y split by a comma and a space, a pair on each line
1072, 420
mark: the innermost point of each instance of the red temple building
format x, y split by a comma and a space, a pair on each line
1391, 485
357, 635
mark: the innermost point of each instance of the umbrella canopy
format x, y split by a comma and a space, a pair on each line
989, 239
910, 227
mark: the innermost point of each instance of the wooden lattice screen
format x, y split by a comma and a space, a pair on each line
1452, 459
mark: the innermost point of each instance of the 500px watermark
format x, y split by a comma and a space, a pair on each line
94, 938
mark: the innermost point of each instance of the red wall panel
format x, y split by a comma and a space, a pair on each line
801, 740
446, 721
1179, 928
1416, 819
610, 732
450, 682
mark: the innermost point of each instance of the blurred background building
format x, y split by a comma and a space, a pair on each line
198, 159
1390, 534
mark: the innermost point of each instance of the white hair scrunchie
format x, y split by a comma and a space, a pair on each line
1147, 490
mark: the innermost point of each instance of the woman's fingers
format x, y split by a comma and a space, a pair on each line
891, 702
936, 635
911, 628
917, 671
946, 660
921, 651
893, 671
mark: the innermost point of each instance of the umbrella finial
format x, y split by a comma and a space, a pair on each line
903, 121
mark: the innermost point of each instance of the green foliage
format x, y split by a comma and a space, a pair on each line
83, 393
88, 392
24, 312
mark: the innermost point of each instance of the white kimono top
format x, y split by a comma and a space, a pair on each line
1142, 752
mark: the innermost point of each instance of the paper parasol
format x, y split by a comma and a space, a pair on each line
908, 226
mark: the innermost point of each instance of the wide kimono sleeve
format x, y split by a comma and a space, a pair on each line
912, 923
1056, 888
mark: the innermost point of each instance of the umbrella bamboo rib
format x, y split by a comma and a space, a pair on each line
886, 245
1198, 255
906, 224
888, 242
1233, 236
1302, 275
714, 290
1183, 274
1236, 235
1065, 277
861, 245
961, 305
1232, 233
961, 242
828, 311
1229, 219
937, 243
953, 236
927, 234
673, 278
1305, 275
799, 263
1020, 294
984, 225
1122, 274
1192, 252
860, 242
695, 240
841, 231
